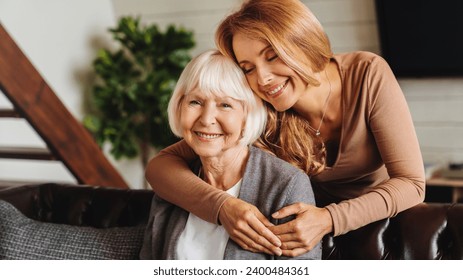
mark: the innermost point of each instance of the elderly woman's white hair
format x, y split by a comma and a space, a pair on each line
217, 75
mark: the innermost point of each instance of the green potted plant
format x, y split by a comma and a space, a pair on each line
128, 103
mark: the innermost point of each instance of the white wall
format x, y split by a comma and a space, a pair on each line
201, 16
61, 38
436, 107
350, 24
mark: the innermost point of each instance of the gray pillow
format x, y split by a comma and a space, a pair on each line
22, 238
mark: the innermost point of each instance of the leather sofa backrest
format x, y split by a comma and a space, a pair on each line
428, 231
98, 207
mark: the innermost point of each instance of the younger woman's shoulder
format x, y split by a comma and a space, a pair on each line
356, 66
358, 59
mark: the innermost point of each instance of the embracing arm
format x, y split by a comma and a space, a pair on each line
391, 125
299, 197
391, 128
172, 179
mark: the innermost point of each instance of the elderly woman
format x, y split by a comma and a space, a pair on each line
215, 112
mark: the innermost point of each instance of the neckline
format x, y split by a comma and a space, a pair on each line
337, 59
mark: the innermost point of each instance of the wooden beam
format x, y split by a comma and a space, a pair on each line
66, 138
9, 113
26, 153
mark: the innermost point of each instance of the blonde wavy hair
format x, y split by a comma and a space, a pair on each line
298, 38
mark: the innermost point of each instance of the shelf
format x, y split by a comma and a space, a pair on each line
451, 188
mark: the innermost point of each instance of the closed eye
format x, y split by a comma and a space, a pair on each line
247, 71
272, 58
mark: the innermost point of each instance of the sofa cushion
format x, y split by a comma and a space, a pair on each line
23, 238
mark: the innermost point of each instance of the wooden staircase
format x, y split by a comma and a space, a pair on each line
67, 140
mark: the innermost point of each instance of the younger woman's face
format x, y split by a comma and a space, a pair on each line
268, 76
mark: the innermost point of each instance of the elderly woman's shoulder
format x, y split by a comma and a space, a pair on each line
270, 162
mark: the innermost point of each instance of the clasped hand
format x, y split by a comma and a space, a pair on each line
254, 232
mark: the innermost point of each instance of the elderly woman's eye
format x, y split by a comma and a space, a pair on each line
194, 102
226, 105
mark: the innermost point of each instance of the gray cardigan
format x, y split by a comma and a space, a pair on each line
268, 182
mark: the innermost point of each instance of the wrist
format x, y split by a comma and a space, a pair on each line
221, 207
329, 224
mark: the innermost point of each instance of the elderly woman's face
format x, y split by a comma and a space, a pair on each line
211, 125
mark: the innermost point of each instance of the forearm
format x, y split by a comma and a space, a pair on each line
391, 125
384, 201
172, 179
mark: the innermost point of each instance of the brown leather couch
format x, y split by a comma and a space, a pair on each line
426, 231
80, 205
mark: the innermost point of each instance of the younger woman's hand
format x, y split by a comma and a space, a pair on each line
304, 232
248, 227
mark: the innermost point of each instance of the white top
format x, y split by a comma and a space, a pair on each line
201, 240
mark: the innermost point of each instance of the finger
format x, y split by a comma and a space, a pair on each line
289, 210
295, 252
239, 217
282, 229
259, 226
243, 244
262, 219
292, 241
289, 237
248, 244
258, 234
290, 245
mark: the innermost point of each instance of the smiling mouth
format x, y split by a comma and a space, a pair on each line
278, 89
208, 136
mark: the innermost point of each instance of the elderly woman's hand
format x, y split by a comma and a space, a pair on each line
248, 227
304, 232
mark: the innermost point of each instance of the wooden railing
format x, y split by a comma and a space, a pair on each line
67, 140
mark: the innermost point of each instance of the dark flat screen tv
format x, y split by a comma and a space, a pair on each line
422, 38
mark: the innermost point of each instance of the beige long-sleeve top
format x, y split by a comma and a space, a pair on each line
378, 171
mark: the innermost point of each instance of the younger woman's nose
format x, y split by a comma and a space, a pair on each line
264, 76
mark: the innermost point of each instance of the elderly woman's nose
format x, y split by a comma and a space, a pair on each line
208, 115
